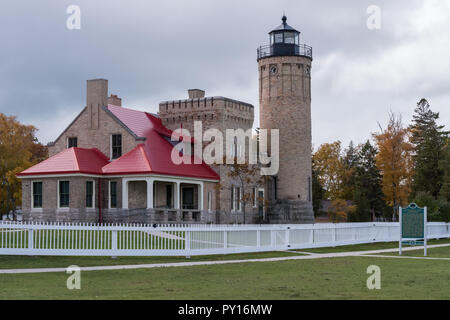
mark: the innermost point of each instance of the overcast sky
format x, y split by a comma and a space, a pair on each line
151, 51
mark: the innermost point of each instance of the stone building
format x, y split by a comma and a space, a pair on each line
113, 164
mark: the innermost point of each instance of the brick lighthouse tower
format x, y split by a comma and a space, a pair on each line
285, 104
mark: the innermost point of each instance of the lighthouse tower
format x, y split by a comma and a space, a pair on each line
285, 104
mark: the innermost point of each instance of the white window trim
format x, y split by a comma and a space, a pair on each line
57, 197
32, 196
93, 194
255, 197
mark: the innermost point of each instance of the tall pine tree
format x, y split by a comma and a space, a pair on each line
368, 194
429, 140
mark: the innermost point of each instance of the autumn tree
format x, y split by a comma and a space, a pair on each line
340, 209
429, 140
19, 149
318, 192
394, 162
330, 169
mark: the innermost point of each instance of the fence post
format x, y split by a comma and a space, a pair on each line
30, 239
114, 240
225, 239
286, 238
187, 240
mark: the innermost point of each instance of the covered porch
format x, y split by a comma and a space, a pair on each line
168, 199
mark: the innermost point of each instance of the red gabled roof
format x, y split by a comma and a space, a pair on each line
72, 160
154, 155
151, 157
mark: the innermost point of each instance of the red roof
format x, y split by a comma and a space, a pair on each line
72, 160
153, 156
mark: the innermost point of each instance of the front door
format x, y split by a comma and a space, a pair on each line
188, 197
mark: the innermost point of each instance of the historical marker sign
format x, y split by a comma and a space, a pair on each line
413, 226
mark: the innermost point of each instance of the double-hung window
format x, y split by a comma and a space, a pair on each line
64, 193
89, 194
116, 146
37, 194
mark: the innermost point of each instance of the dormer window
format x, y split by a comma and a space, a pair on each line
116, 146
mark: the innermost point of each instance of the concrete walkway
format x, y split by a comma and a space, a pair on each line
370, 253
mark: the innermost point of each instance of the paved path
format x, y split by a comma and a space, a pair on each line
205, 263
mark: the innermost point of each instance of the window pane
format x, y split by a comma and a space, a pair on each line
73, 142
289, 37
113, 194
64, 193
37, 194
89, 194
278, 37
116, 146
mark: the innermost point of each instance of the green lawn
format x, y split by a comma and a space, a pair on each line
19, 262
366, 247
441, 252
328, 278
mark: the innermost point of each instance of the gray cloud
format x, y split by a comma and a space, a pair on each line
154, 50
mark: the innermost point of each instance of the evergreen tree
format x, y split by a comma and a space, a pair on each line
368, 194
318, 192
428, 139
350, 162
445, 167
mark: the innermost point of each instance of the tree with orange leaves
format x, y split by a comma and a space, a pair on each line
394, 162
19, 149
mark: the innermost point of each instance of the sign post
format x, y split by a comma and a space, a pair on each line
413, 227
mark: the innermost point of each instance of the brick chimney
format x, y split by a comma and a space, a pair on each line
96, 97
196, 93
115, 100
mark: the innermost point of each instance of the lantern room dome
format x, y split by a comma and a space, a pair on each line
284, 26
284, 41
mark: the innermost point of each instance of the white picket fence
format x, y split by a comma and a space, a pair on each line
78, 239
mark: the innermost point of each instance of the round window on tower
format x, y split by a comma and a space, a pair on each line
273, 69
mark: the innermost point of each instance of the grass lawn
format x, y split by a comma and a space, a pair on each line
366, 247
20, 262
441, 252
329, 278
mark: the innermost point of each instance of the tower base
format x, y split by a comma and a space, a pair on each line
291, 211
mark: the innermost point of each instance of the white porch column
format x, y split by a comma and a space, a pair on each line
124, 193
149, 193
177, 197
